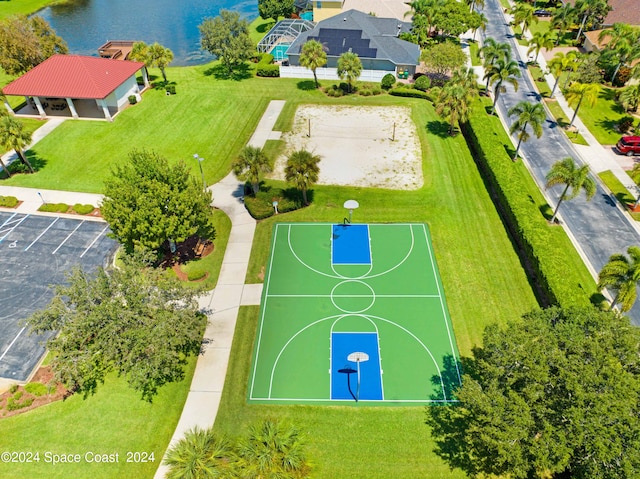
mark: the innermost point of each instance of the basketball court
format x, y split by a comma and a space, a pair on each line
35, 253
353, 314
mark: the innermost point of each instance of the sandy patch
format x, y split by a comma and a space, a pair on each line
356, 146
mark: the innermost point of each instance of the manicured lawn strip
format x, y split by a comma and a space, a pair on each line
541, 83
558, 113
474, 51
547, 247
114, 420
344, 442
619, 191
456, 206
212, 262
602, 118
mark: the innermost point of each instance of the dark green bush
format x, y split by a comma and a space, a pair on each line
54, 208
83, 209
539, 250
625, 123
334, 91
196, 274
8, 201
263, 70
422, 83
18, 167
258, 208
13, 388
388, 81
37, 389
132, 99
409, 92
261, 206
171, 89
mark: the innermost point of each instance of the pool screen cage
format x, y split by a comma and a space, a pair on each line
284, 33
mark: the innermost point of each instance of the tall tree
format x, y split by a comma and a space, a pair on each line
201, 454
500, 72
26, 42
132, 320
424, 14
552, 395
539, 41
250, 165
622, 275
529, 115
443, 58
560, 63
149, 203
478, 20
523, 16
575, 178
13, 136
456, 96
160, 57
313, 56
579, 92
227, 37
624, 43
492, 51
630, 97
349, 68
564, 18
592, 13
302, 170
275, 8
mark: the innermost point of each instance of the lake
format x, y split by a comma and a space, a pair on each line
87, 24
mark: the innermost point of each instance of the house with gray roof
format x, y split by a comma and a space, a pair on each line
375, 40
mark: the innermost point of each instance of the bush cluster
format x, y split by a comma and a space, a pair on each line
334, 91
369, 89
82, 209
14, 403
267, 70
8, 201
37, 389
525, 222
54, 208
261, 206
409, 92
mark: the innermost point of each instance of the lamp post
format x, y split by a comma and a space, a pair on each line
200, 160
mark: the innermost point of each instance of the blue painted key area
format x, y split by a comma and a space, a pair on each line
351, 244
343, 344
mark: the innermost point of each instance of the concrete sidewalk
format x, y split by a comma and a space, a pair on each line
223, 303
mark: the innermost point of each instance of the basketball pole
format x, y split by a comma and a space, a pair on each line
358, 386
393, 136
309, 128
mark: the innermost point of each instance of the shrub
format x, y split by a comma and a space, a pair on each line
625, 123
13, 403
334, 91
196, 274
82, 209
388, 81
261, 206
258, 208
263, 70
8, 201
13, 388
422, 83
132, 99
170, 89
409, 92
54, 208
621, 79
18, 167
37, 389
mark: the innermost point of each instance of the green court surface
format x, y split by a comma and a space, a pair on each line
332, 291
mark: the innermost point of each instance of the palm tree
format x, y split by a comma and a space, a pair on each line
492, 51
560, 63
349, 68
592, 11
313, 56
621, 274
500, 72
273, 450
453, 103
467, 78
250, 165
579, 92
523, 15
302, 170
563, 19
13, 136
160, 57
539, 41
529, 114
200, 454
476, 4
630, 97
482, 22
625, 42
566, 172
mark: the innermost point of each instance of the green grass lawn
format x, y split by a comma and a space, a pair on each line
114, 420
474, 51
620, 192
24, 7
558, 113
602, 118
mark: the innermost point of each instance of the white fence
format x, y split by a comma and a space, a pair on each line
329, 73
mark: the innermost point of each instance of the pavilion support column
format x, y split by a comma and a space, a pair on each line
105, 109
7, 106
72, 108
39, 107
145, 77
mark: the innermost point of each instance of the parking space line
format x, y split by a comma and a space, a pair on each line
11, 228
40, 235
69, 236
8, 219
94, 241
12, 342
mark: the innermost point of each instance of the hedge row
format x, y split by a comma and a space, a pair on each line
267, 70
409, 92
539, 249
261, 206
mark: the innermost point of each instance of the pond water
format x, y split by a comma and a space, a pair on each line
86, 24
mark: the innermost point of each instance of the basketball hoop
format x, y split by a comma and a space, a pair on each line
358, 357
351, 205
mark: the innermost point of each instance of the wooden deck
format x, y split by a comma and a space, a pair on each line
116, 49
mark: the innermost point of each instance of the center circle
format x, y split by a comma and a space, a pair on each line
353, 296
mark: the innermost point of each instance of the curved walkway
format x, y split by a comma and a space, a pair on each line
223, 303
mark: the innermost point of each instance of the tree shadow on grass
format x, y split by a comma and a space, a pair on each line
439, 128
220, 72
265, 27
17, 167
609, 124
510, 150
306, 85
547, 211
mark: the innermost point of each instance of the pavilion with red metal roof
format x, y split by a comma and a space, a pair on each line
77, 86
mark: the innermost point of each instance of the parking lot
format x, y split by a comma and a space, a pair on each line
35, 253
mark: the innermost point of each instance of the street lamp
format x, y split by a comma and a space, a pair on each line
200, 160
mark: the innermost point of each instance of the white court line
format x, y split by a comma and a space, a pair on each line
69, 236
353, 295
40, 235
12, 342
346, 401
94, 241
17, 222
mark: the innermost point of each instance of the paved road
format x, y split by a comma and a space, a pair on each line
598, 226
